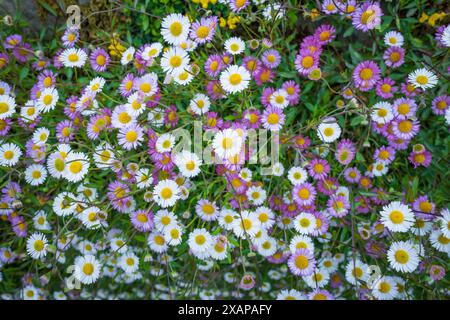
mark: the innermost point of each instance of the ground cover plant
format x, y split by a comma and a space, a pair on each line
228, 149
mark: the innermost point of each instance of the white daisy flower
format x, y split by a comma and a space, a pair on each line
329, 130
305, 223
227, 143
37, 245
35, 174
256, 195
7, 106
397, 217
445, 222
30, 293
200, 242
356, 272
385, 288
393, 39
129, 262
172, 234
40, 136
188, 163
226, 218
157, 242
9, 154
77, 166
64, 204
175, 28
267, 246
291, 294
127, 56
73, 57
152, 51
40, 221
144, 178
87, 269
48, 99
403, 256
90, 217
297, 175
247, 223
174, 60
166, 193
165, 143
183, 77
439, 241
445, 38
422, 78
382, 112
279, 99
234, 79
104, 156
30, 111
300, 241
234, 45
164, 218
265, 216
246, 174
379, 168
96, 85
200, 104
318, 279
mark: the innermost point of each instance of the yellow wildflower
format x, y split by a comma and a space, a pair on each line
115, 48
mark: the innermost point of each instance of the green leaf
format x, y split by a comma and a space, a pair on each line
47, 7
23, 73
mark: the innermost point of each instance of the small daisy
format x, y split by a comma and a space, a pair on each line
7, 106
302, 262
234, 79
87, 269
172, 234
37, 245
130, 137
279, 99
385, 288
188, 163
422, 78
90, 217
48, 99
129, 262
175, 28
200, 104
382, 112
226, 218
397, 217
234, 46
9, 154
165, 143
247, 223
403, 256
35, 174
174, 59
393, 39
256, 195
77, 166
301, 242
200, 242
73, 57
40, 221
127, 56
227, 143
166, 193
305, 223
328, 131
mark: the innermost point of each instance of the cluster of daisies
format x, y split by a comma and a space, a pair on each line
98, 200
